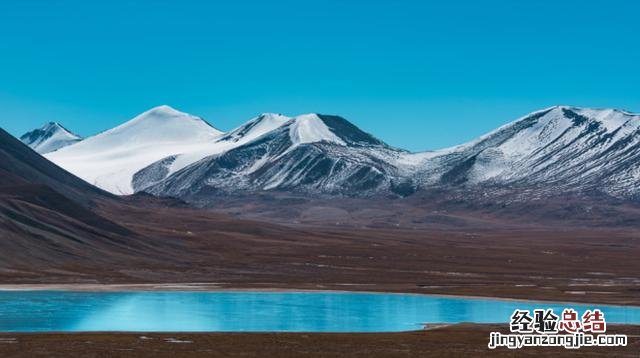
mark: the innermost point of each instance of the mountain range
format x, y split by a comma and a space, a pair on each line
166, 152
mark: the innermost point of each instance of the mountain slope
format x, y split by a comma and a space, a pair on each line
557, 149
19, 164
313, 154
47, 216
48, 138
110, 159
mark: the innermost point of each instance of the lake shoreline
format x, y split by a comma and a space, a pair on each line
219, 287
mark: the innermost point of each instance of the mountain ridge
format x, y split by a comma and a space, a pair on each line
563, 147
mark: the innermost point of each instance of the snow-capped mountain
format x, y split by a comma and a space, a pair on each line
170, 153
558, 149
48, 138
110, 159
311, 153
247, 132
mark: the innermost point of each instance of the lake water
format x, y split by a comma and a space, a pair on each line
39, 311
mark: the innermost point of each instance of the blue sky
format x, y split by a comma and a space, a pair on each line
418, 74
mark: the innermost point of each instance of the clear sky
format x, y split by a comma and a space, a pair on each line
417, 74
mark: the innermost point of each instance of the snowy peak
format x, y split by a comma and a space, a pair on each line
54, 126
256, 127
552, 126
311, 128
609, 120
154, 127
302, 129
165, 110
50, 137
165, 113
572, 125
164, 123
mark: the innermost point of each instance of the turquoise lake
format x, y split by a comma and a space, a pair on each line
42, 311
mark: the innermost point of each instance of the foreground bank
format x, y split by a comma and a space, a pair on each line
449, 341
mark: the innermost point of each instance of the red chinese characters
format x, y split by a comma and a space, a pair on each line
570, 322
593, 321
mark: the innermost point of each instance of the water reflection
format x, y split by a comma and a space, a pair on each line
256, 311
